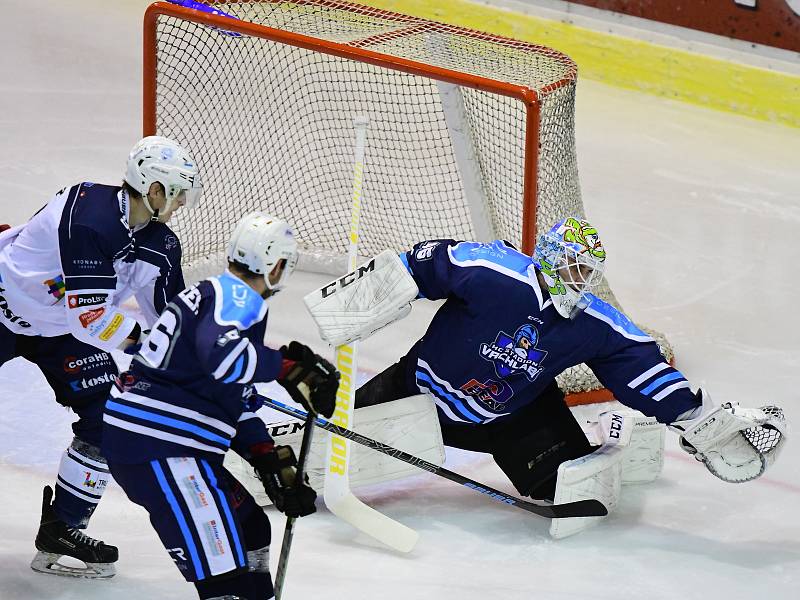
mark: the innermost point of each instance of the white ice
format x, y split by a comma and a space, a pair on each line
700, 213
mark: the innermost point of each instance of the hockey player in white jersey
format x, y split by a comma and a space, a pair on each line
188, 398
509, 325
63, 276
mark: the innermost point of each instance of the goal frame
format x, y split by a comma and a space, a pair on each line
528, 96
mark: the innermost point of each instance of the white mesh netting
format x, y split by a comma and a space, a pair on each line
270, 124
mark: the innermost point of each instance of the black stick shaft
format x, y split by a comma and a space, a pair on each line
581, 508
288, 532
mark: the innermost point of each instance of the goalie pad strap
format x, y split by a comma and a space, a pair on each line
356, 305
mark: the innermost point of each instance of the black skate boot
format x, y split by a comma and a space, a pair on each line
56, 539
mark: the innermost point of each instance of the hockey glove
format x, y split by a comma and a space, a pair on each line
276, 469
310, 379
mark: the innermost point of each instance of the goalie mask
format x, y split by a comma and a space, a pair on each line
159, 159
259, 242
571, 259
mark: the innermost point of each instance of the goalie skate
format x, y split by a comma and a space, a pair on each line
56, 540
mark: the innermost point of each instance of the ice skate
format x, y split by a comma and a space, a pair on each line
56, 539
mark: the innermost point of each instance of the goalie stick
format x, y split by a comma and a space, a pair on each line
288, 532
336, 491
581, 508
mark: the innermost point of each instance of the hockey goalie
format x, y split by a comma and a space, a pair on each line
486, 368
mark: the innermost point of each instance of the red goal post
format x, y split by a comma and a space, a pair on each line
472, 135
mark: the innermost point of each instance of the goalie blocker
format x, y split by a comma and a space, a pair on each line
409, 424
356, 305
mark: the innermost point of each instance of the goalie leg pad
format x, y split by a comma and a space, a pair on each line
595, 476
356, 305
642, 439
409, 424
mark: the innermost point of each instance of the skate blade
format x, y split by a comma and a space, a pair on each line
45, 562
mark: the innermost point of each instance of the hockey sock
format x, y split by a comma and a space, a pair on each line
82, 478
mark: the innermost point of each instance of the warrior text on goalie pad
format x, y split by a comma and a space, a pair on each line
356, 305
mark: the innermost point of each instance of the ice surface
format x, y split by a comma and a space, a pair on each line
699, 212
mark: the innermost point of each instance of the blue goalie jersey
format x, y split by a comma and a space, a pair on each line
187, 389
498, 342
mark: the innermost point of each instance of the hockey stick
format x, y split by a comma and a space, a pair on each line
581, 508
288, 532
336, 492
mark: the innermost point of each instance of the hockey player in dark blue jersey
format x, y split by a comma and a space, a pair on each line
63, 278
185, 402
509, 325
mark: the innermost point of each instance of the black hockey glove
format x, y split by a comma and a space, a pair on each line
277, 472
320, 379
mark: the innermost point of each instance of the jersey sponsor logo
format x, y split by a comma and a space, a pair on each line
98, 483
8, 314
494, 394
425, 250
56, 287
90, 316
196, 493
88, 383
86, 264
73, 364
82, 300
179, 555
515, 354
348, 279
112, 328
215, 542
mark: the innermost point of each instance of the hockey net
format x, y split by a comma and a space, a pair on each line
471, 135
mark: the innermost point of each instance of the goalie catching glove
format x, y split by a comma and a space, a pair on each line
310, 379
736, 444
276, 468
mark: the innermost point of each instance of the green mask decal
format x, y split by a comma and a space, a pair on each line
583, 234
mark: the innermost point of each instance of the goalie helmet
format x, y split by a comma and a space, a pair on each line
571, 259
259, 242
156, 158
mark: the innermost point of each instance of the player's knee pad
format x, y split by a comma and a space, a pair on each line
83, 476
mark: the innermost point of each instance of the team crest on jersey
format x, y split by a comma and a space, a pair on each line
515, 354
56, 287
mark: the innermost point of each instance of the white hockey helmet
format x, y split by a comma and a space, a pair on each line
259, 241
156, 158
571, 259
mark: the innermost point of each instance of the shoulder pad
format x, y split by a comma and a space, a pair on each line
236, 303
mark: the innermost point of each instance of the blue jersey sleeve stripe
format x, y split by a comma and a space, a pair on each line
176, 510
457, 404
634, 383
668, 390
225, 509
167, 421
237, 370
616, 320
661, 381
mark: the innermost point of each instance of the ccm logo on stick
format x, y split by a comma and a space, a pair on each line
348, 279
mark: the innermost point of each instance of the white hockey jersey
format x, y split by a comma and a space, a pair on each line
71, 266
